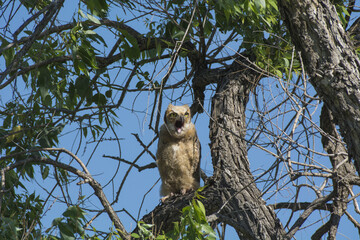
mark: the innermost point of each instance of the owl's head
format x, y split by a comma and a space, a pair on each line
177, 119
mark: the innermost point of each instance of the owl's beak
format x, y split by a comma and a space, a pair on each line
179, 124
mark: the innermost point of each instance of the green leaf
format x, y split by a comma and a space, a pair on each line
86, 52
286, 62
129, 37
99, 99
160, 237
158, 48
89, 32
108, 93
57, 221
201, 207
278, 73
8, 53
260, 4
85, 132
179, 35
135, 235
29, 170
66, 231
81, 197
140, 84
36, 108
133, 51
82, 85
74, 212
93, 19
273, 3
43, 92
82, 14
7, 122
45, 172
97, 7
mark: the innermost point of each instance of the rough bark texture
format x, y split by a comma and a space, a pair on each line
330, 61
243, 202
344, 168
231, 195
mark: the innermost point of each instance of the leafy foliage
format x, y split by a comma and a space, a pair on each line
19, 210
193, 225
70, 226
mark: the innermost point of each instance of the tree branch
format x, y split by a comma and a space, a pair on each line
333, 144
299, 206
139, 168
88, 178
313, 206
330, 61
53, 8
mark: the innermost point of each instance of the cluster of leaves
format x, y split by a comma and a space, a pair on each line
18, 211
257, 22
53, 88
70, 226
35, 118
193, 225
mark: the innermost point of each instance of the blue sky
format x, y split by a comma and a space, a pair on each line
134, 117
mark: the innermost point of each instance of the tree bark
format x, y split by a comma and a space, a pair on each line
330, 61
231, 195
333, 144
241, 198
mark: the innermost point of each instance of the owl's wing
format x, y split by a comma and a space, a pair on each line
197, 157
162, 138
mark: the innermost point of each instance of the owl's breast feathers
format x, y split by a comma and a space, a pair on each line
178, 161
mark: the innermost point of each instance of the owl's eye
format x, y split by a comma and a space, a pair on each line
187, 114
172, 115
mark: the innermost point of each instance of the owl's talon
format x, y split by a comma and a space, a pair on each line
184, 191
163, 199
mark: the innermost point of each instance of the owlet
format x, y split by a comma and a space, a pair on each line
178, 153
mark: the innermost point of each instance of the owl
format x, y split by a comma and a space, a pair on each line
178, 153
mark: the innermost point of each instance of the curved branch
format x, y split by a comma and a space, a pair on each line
92, 182
202, 78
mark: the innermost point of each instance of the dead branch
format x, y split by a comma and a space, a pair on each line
139, 168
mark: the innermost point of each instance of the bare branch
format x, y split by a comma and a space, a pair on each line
139, 168
143, 145
299, 206
92, 182
52, 9
313, 206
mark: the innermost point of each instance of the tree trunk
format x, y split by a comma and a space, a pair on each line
330, 61
240, 196
231, 195
333, 144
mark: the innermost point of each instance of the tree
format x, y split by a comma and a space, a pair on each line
282, 161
